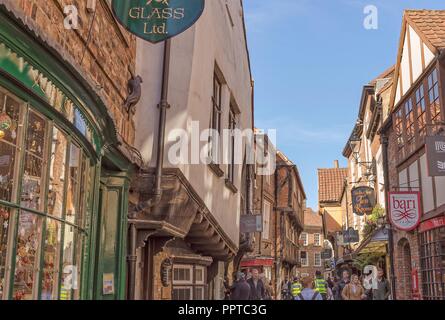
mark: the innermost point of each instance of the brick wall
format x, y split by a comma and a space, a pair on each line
104, 60
406, 244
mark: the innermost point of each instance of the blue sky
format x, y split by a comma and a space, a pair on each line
310, 60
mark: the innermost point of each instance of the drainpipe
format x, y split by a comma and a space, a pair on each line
384, 141
157, 185
163, 106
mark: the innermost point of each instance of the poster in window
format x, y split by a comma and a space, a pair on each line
108, 283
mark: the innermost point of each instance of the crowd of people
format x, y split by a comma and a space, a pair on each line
255, 286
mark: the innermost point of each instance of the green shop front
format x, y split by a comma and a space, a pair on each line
63, 181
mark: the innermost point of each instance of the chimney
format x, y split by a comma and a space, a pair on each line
336, 164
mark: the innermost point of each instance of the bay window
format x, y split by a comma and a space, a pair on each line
44, 196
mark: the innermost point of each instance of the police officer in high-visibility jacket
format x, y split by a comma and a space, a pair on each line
321, 286
296, 287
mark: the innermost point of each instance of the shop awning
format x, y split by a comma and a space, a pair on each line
376, 242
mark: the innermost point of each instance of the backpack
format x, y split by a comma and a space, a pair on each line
314, 297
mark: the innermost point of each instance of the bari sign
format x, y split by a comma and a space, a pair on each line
405, 210
157, 20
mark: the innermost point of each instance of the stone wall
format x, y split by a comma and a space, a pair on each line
104, 56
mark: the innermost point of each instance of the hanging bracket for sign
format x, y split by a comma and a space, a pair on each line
157, 20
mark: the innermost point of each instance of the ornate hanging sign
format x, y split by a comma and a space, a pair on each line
157, 20
405, 210
363, 200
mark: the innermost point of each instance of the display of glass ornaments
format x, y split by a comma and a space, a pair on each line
5, 124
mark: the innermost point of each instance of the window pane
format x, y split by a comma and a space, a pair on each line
5, 214
32, 187
73, 182
80, 240
51, 260
84, 192
28, 242
7, 170
57, 173
69, 273
182, 294
9, 118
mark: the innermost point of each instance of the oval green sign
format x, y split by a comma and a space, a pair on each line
157, 20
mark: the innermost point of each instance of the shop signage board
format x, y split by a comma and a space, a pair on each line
157, 20
351, 236
435, 150
326, 254
405, 210
251, 223
432, 224
363, 200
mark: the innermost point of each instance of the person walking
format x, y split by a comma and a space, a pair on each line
354, 290
267, 287
296, 287
257, 291
341, 285
321, 285
286, 287
308, 293
383, 289
240, 290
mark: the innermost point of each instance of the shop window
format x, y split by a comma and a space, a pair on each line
45, 179
189, 282
432, 258
5, 218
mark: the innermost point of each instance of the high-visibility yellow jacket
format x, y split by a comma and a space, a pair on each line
320, 286
296, 288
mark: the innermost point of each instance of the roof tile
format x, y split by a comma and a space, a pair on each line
331, 183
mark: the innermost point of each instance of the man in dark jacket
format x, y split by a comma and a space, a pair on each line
257, 290
240, 290
342, 284
383, 290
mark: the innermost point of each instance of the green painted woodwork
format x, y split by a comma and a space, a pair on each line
104, 249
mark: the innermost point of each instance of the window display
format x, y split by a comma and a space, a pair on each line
45, 174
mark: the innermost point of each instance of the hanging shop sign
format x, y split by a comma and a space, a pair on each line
363, 200
251, 223
351, 236
405, 210
326, 254
435, 151
157, 20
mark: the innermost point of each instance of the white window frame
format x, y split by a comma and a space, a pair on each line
306, 264
317, 243
267, 208
190, 288
203, 282
305, 238
317, 254
183, 282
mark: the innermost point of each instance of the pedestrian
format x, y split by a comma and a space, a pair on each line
286, 287
383, 289
267, 288
331, 283
257, 291
308, 293
296, 287
321, 285
354, 290
341, 285
240, 290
